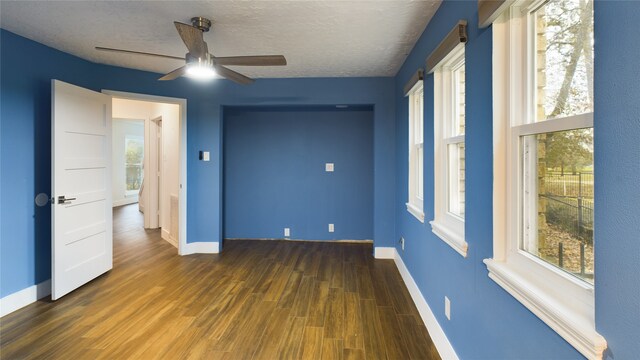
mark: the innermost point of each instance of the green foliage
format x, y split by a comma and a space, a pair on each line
134, 155
572, 149
134, 152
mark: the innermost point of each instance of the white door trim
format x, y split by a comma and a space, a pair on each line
182, 222
154, 173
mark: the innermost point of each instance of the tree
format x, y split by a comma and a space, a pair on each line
133, 152
570, 50
569, 148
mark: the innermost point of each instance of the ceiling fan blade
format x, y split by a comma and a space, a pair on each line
192, 38
175, 73
233, 76
263, 60
138, 53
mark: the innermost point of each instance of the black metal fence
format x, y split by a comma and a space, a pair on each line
572, 215
570, 202
566, 184
569, 207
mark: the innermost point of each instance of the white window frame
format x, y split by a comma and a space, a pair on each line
447, 226
564, 302
415, 203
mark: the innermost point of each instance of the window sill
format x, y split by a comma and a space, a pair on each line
450, 236
416, 212
559, 314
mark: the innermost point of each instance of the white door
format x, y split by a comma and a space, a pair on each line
82, 243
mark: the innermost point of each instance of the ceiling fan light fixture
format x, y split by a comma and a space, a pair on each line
201, 69
200, 64
201, 72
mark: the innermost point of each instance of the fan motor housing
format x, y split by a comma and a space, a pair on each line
201, 23
206, 61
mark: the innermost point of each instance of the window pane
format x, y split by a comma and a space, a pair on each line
419, 173
558, 199
458, 101
456, 178
564, 58
134, 153
419, 117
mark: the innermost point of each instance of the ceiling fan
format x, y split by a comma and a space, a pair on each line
202, 64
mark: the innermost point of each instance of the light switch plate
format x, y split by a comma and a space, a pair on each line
287, 232
331, 228
205, 156
447, 308
328, 167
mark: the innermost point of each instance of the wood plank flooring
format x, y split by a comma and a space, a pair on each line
256, 300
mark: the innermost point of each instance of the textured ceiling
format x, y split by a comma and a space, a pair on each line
318, 38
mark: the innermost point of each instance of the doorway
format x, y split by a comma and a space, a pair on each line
156, 179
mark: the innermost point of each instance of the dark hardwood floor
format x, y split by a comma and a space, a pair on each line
256, 300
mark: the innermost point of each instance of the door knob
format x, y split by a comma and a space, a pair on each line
63, 200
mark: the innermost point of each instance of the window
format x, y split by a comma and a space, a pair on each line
134, 153
416, 151
449, 160
543, 165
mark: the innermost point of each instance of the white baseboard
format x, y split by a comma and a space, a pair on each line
125, 201
384, 252
24, 297
166, 236
343, 241
200, 248
437, 334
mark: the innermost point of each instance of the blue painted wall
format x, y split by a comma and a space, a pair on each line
274, 172
25, 137
25, 166
487, 322
617, 174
